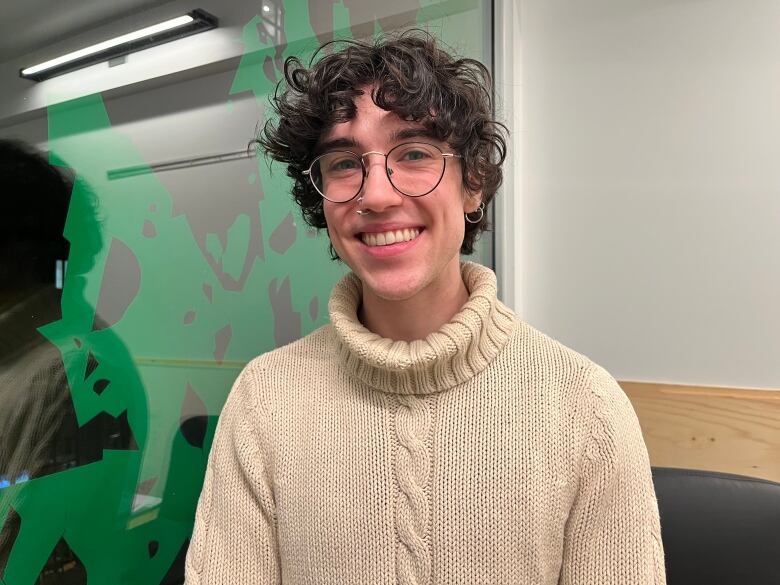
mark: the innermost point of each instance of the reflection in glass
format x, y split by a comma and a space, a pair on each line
40, 432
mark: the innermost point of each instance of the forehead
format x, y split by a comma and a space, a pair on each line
372, 123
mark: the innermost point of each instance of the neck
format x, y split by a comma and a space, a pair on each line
418, 316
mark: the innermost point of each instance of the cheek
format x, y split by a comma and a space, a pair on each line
456, 221
327, 210
334, 218
458, 228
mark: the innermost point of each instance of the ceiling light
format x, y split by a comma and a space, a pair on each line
176, 28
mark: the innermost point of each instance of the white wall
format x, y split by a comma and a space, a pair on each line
647, 210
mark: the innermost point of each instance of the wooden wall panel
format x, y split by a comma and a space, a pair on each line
722, 429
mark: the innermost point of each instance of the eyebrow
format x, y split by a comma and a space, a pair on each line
335, 144
416, 132
397, 136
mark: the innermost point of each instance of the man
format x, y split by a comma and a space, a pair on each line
427, 435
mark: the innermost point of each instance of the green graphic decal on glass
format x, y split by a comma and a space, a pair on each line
163, 302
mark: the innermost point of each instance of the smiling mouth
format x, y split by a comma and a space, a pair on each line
391, 237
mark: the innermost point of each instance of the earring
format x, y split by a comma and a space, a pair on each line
481, 210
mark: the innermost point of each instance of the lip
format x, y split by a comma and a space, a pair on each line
392, 249
378, 228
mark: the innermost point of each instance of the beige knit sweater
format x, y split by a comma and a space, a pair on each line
485, 453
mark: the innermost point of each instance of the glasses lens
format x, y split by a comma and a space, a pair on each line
337, 175
416, 168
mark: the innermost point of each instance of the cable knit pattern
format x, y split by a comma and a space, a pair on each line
413, 465
487, 453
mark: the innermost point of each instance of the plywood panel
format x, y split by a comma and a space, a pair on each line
722, 429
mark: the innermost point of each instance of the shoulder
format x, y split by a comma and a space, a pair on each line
310, 347
545, 356
581, 382
543, 347
282, 374
589, 410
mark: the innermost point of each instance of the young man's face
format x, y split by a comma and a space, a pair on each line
398, 271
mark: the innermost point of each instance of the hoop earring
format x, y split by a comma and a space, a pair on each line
481, 210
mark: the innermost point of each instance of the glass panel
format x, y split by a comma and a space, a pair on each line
182, 258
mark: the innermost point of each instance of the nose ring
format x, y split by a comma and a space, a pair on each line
362, 211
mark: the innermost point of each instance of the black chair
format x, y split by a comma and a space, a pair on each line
718, 528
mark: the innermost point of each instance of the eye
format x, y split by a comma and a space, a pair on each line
415, 154
346, 164
343, 163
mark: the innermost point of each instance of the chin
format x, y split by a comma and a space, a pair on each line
390, 287
394, 294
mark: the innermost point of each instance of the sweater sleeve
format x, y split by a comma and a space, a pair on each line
613, 533
234, 538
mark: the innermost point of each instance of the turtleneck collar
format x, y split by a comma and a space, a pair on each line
455, 353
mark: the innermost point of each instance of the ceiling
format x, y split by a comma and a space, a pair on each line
23, 29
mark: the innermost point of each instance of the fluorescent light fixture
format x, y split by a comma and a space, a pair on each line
176, 28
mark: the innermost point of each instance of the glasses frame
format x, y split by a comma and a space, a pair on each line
388, 170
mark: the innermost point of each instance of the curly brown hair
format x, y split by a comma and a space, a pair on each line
412, 77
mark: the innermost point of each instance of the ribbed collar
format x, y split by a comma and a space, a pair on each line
457, 352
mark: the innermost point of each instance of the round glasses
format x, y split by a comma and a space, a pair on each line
413, 168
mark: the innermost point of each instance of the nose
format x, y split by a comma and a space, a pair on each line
378, 192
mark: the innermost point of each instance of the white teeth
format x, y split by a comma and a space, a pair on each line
388, 238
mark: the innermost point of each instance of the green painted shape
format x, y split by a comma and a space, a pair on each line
214, 246
341, 21
317, 278
252, 60
55, 506
150, 355
238, 238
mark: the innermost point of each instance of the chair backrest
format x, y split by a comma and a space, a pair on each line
718, 528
